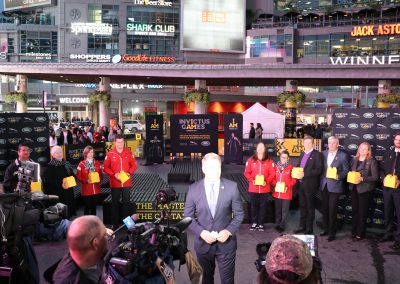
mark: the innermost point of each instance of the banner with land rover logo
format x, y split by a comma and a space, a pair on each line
375, 126
29, 128
192, 134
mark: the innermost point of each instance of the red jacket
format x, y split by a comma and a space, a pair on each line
286, 177
116, 162
83, 175
257, 167
97, 137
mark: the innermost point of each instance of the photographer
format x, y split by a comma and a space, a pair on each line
11, 174
87, 246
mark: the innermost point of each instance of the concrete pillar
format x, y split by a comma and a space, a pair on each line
384, 87
120, 113
21, 86
200, 107
104, 117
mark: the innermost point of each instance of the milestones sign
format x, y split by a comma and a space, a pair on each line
194, 133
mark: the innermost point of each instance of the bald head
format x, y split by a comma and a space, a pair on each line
82, 231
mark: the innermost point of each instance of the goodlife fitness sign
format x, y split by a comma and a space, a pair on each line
142, 58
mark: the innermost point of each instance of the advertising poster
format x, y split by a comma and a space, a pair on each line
74, 152
29, 128
194, 133
290, 123
154, 146
233, 138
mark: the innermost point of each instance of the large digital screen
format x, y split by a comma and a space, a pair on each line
19, 4
213, 25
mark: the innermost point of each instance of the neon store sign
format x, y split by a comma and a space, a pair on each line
372, 30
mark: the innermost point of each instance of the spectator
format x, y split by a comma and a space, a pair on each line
11, 173
98, 135
111, 135
252, 133
53, 139
65, 137
259, 131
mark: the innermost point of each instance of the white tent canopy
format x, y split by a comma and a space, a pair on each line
272, 122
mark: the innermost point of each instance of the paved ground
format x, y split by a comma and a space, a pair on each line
344, 260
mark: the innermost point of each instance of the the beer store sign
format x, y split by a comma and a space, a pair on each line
150, 29
91, 28
92, 58
161, 3
376, 30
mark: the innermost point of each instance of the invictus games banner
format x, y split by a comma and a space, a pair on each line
194, 133
29, 128
375, 126
74, 152
154, 146
233, 138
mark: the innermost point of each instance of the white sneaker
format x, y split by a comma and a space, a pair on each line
253, 227
261, 228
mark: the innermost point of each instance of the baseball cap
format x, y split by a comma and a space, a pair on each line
288, 253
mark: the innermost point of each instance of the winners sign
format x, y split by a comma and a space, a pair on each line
194, 133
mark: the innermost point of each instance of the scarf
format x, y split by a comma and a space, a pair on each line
58, 163
282, 166
89, 165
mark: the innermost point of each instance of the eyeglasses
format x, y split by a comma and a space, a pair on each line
284, 157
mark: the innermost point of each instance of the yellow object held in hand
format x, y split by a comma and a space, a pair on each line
36, 186
390, 181
280, 187
69, 182
123, 176
296, 172
331, 172
352, 177
94, 177
259, 180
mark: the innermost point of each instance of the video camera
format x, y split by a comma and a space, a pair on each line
28, 171
150, 247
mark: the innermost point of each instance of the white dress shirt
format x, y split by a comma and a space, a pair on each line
331, 157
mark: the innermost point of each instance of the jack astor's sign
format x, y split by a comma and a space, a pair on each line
372, 30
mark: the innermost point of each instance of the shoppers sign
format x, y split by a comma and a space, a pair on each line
233, 138
210, 25
143, 58
194, 133
376, 30
150, 29
94, 58
91, 28
19, 4
365, 60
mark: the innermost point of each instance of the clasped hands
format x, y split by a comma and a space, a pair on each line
212, 237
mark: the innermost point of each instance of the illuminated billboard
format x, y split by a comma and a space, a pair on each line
19, 4
211, 25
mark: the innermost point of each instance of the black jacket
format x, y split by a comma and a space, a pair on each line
11, 177
60, 139
252, 133
312, 171
387, 164
369, 173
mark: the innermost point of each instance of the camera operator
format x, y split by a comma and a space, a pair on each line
87, 247
11, 174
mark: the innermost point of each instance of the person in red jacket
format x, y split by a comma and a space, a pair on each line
90, 191
98, 135
283, 173
117, 160
259, 172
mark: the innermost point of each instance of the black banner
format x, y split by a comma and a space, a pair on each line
290, 123
375, 126
194, 133
74, 152
29, 128
154, 146
233, 138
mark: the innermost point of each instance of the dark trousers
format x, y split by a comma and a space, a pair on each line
67, 198
258, 203
329, 211
307, 208
90, 203
360, 205
115, 205
281, 211
391, 200
226, 265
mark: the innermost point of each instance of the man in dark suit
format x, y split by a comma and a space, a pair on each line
391, 196
65, 137
311, 162
332, 187
213, 200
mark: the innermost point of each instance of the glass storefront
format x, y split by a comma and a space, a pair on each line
36, 45
271, 46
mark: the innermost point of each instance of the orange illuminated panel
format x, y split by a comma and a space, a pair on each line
213, 17
371, 30
207, 16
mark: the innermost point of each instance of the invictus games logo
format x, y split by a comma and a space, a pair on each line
382, 136
14, 140
39, 128
395, 126
368, 115
27, 130
380, 148
341, 115
43, 159
338, 125
382, 114
41, 119
352, 147
14, 119
366, 125
233, 125
354, 115
380, 126
3, 141
353, 126
40, 149
155, 125
194, 123
2, 120
341, 135
368, 136
41, 139
353, 136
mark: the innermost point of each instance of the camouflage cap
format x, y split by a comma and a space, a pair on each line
288, 253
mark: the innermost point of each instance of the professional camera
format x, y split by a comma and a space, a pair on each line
150, 248
28, 171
